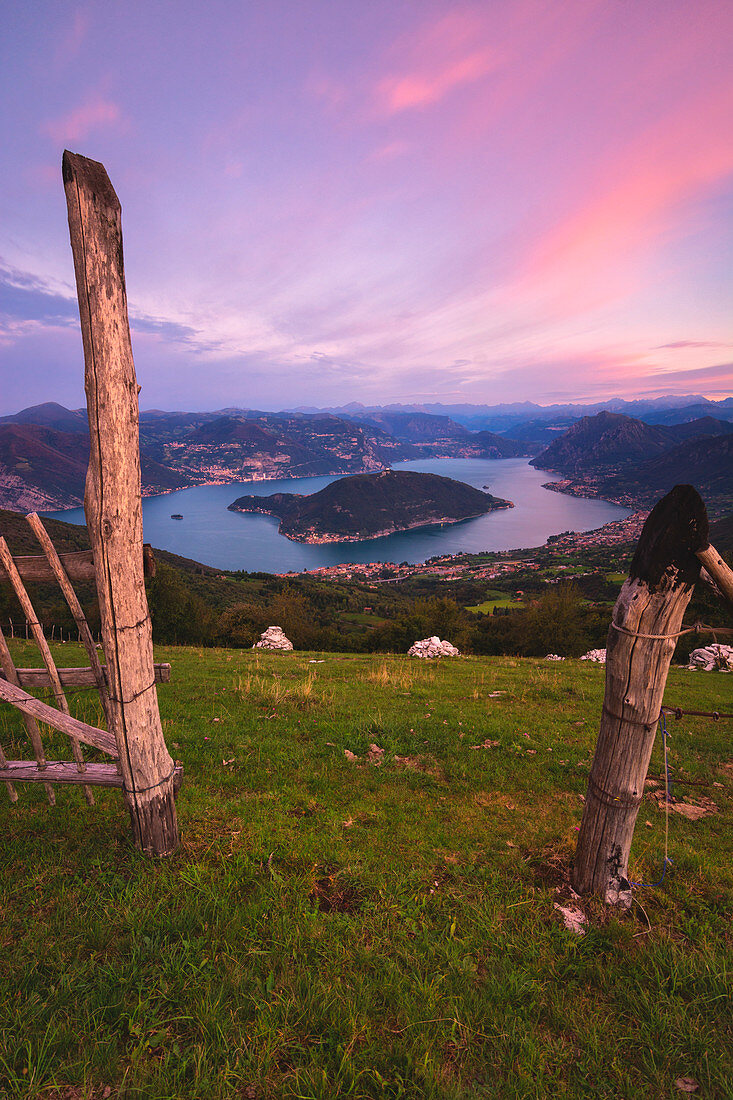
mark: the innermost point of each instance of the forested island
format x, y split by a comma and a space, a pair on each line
368, 506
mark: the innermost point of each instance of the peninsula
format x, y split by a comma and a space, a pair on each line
368, 506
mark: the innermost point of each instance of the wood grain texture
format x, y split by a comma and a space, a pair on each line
78, 565
61, 576
12, 793
718, 570
63, 771
651, 602
40, 712
77, 677
112, 501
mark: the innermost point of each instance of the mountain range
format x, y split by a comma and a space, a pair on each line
44, 449
505, 416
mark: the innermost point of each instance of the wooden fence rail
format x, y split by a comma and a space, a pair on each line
78, 677
33, 708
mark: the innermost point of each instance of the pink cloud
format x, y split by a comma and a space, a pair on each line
390, 150
678, 345
420, 89
598, 251
75, 36
96, 113
441, 57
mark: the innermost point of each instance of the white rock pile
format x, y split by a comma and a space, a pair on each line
432, 647
712, 658
597, 655
273, 638
554, 657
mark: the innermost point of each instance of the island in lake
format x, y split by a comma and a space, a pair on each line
368, 506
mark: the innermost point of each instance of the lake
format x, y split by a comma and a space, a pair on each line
234, 540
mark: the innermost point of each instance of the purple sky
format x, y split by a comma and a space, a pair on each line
377, 200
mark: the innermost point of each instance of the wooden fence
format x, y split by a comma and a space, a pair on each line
645, 626
126, 682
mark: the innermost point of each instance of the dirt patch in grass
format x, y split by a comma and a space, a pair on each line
303, 811
427, 765
331, 896
550, 868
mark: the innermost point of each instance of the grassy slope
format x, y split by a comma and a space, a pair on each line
331, 929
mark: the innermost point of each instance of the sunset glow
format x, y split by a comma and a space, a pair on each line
381, 202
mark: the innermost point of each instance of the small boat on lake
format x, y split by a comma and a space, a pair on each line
176, 515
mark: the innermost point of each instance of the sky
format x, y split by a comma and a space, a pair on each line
382, 201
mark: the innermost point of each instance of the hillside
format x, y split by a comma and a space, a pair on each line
442, 437
490, 445
44, 451
416, 427
370, 505
364, 900
632, 463
705, 462
50, 415
42, 469
46, 471
601, 441
703, 425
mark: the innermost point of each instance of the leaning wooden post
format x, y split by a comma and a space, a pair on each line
112, 502
85, 634
641, 640
718, 570
6, 560
31, 725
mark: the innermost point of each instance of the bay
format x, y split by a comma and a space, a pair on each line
233, 540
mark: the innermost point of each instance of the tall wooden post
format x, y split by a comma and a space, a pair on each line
112, 502
641, 640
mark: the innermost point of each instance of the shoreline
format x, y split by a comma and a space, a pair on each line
329, 540
585, 528
451, 566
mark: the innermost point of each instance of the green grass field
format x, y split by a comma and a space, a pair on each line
335, 928
495, 599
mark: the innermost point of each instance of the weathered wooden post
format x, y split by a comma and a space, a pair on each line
641, 640
112, 502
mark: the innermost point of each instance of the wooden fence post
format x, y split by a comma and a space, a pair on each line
641, 640
112, 502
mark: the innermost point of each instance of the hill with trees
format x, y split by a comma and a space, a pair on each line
371, 505
624, 460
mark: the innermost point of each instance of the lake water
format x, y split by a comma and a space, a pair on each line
233, 540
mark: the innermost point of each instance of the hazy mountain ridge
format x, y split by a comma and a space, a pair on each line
371, 505
505, 416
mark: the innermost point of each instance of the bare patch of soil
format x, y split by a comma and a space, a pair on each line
330, 896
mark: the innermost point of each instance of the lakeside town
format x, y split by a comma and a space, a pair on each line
489, 566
